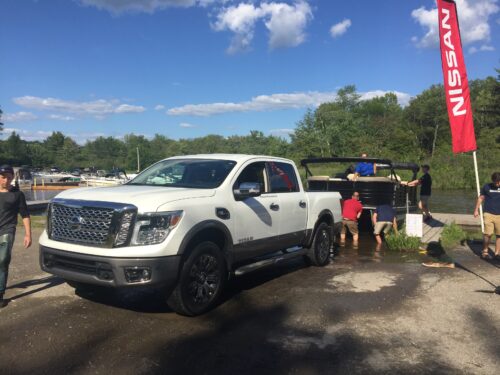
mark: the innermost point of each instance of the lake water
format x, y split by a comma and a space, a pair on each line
453, 201
40, 195
449, 201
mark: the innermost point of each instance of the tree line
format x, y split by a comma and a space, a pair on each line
418, 132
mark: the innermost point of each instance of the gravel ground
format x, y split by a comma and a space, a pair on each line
366, 313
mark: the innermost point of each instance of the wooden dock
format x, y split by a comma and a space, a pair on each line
432, 229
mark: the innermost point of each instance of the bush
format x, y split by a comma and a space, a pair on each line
452, 235
401, 241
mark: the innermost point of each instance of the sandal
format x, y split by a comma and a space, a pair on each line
485, 254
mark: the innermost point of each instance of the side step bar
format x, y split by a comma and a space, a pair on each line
290, 254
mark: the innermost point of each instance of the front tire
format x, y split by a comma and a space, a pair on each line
201, 281
319, 252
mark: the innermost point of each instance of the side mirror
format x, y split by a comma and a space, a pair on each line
247, 190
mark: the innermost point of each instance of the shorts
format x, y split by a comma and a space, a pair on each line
380, 226
491, 224
425, 199
351, 225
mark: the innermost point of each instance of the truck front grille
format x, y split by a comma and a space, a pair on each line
82, 223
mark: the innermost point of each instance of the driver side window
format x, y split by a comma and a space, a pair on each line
255, 172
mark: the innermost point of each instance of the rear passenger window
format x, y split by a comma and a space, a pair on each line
282, 177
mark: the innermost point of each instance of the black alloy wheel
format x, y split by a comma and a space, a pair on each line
201, 281
319, 253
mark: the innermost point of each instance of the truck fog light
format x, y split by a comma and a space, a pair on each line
48, 260
137, 274
104, 271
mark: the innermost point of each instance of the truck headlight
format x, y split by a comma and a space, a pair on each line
153, 228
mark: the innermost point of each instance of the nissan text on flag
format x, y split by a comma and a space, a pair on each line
187, 224
456, 85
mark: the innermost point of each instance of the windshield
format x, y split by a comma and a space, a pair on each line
190, 173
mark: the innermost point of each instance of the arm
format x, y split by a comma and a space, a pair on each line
480, 200
23, 211
413, 183
27, 231
374, 168
395, 225
374, 218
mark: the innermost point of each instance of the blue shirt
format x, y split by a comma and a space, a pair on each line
364, 169
385, 212
491, 195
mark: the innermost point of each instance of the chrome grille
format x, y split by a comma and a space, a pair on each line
85, 225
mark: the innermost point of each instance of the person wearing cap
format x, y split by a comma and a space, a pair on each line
12, 203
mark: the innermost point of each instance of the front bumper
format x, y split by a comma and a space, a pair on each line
108, 271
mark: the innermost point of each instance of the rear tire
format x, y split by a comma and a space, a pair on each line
201, 281
319, 252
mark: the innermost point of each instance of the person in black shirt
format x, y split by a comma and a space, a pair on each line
12, 203
490, 195
425, 183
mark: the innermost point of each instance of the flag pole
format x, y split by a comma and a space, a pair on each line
478, 190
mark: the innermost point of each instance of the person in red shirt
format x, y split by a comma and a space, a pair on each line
351, 212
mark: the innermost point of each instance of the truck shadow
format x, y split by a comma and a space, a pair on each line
153, 300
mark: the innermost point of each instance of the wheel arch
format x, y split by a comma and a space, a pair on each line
325, 216
209, 230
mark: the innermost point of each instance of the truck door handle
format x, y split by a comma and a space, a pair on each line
274, 206
302, 204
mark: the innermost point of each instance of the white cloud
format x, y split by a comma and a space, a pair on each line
286, 23
483, 48
127, 108
403, 98
473, 17
97, 108
61, 118
27, 135
274, 102
159, 107
18, 117
139, 6
241, 21
284, 133
186, 125
340, 28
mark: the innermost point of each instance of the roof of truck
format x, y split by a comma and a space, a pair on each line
235, 157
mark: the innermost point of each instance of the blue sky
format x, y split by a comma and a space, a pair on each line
188, 68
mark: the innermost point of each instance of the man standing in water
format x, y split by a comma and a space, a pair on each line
351, 212
12, 203
425, 183
490, 195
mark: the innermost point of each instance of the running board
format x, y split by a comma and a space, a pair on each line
296, 252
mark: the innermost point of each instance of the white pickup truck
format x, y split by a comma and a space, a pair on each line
188, 223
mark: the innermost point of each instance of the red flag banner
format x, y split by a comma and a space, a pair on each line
456, 84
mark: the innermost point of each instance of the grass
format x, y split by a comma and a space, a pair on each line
402, 242
452, 235
36, 222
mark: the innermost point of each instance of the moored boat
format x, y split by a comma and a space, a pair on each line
385, 188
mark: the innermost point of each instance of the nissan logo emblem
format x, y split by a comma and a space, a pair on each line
75, 222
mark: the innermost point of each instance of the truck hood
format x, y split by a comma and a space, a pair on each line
145, 198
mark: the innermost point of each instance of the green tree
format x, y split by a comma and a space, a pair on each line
1, 123
54, 144
15, 150
427, 114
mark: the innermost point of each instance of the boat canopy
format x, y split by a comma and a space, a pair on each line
381, 163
